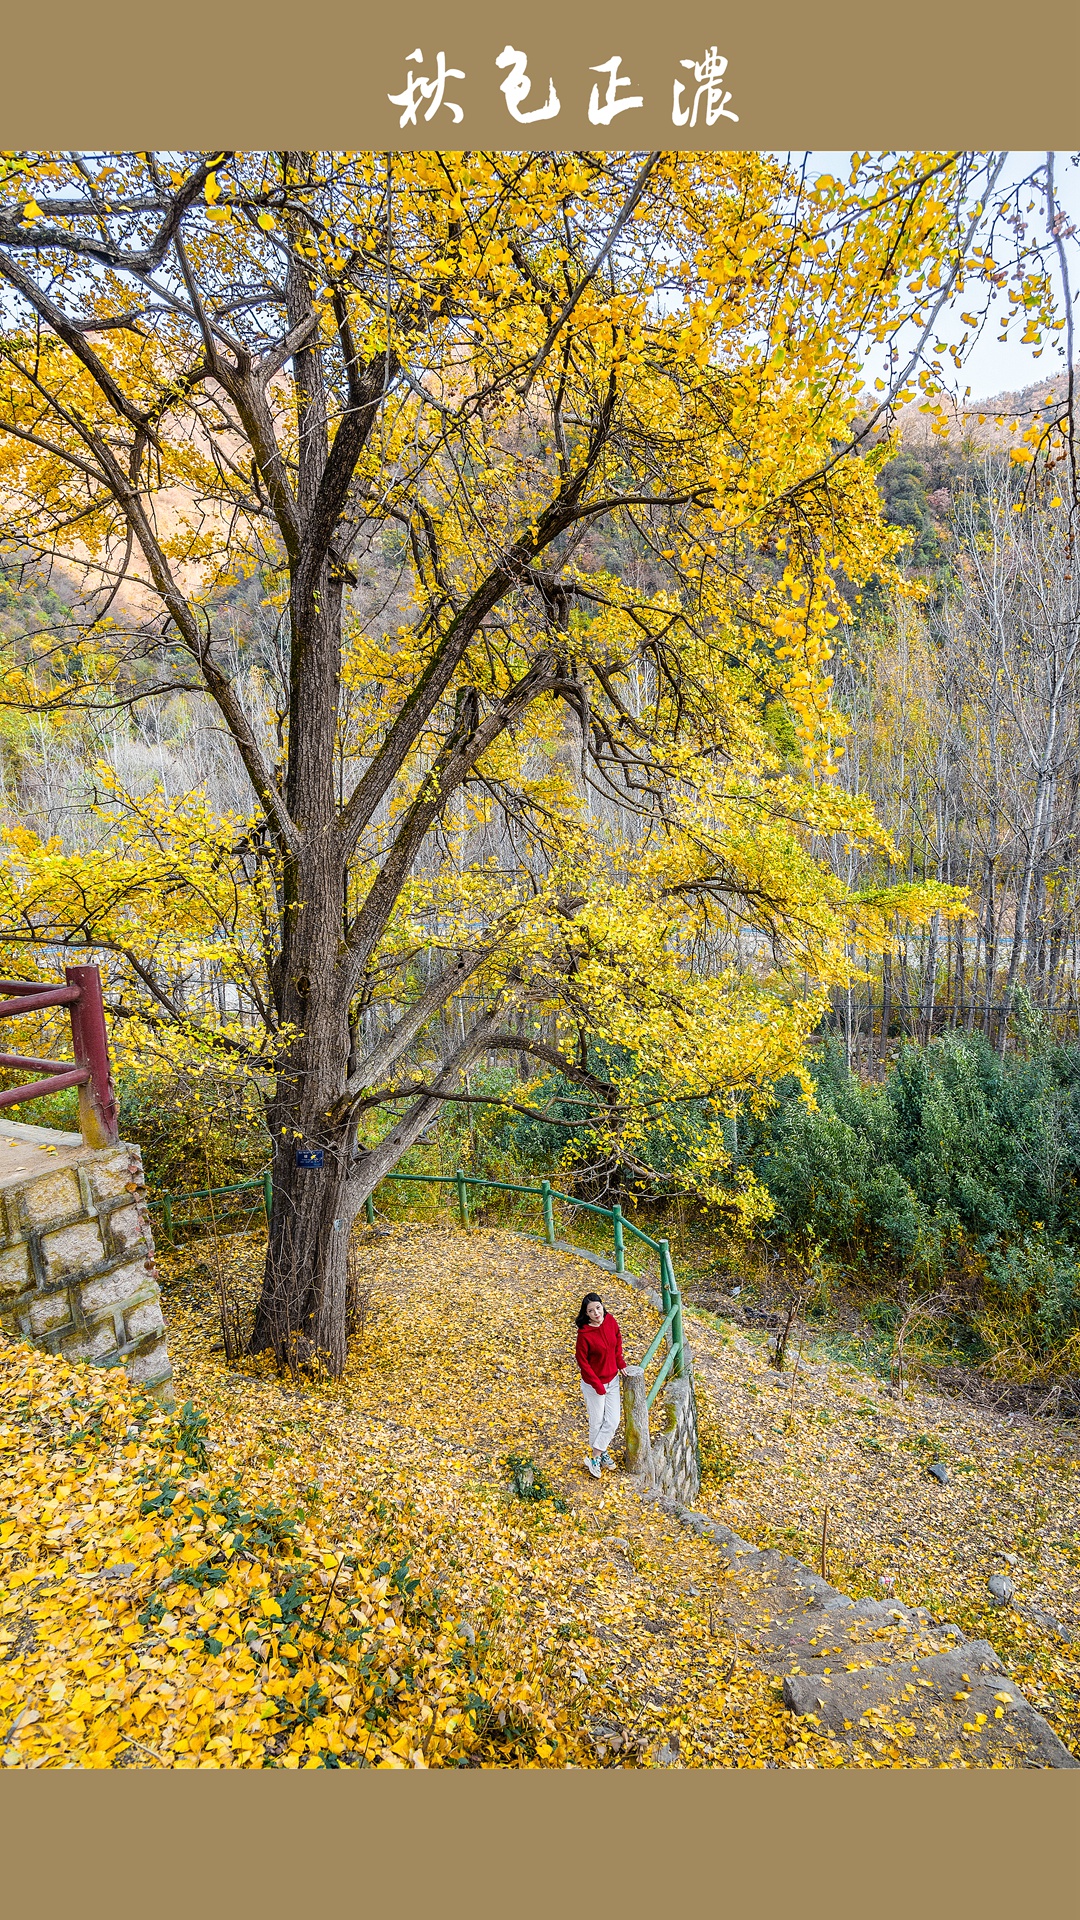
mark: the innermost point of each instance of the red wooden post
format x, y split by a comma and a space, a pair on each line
97, 1101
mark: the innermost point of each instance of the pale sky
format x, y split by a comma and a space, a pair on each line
989, 367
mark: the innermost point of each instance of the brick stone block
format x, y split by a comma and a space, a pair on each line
145, 1369
143, 1319
56, 1196
15, 1275
78, 1215
104, 1290
72, 1249
110, 1175
90, 1343
125, 1230
49, 1311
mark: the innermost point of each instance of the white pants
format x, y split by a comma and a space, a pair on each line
604, 1412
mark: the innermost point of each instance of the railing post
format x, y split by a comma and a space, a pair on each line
166, 1219
369, 1210
665, 1277
620, 1251
268, 1193
90, 1041
672, 1298
462, 1198
549, 1212
635, 1409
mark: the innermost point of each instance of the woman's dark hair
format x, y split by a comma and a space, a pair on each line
583, 1313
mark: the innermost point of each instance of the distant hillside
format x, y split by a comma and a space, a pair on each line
985, 425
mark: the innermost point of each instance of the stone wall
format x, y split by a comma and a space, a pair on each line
676, 1460
662, 1446
77, 1273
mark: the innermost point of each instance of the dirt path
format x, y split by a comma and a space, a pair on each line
467, 1357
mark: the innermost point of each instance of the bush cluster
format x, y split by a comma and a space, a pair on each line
963, 1163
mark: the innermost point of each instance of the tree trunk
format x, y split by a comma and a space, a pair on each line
905, 991
886, 1008
301, 1313
990, 947
930, 981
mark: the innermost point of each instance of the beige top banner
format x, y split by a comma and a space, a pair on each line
678, 74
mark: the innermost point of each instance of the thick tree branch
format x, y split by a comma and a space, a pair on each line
72, 336
350, 439
183, 615
570, 1069
439, 672
466, 745
377, 1063
561, 318
38, 237
374, 1164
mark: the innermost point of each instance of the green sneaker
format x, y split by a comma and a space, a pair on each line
607, 1459
593, 1466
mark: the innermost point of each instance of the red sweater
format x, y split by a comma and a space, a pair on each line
599, 1352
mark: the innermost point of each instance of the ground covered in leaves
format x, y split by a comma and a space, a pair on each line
413, 1569
825, 1446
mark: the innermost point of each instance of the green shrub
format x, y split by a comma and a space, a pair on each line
962, 1161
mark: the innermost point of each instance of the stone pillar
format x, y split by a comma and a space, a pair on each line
636, 1422
77, 1273
676, 1462
682, 1469
668, 1459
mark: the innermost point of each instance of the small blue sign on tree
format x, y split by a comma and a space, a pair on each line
310, 1157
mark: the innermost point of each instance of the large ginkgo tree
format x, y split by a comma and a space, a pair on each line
595, 426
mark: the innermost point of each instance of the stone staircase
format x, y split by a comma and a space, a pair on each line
872, 1672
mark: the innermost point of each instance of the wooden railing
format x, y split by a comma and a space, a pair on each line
80, 994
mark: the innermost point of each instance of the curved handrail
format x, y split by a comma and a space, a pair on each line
671, 1327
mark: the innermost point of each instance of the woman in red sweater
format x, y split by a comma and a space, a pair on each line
599, 1356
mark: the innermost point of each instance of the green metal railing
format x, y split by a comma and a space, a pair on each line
170, 1202
670, 1328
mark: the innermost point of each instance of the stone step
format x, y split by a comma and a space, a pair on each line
961, 1696
864, 1668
